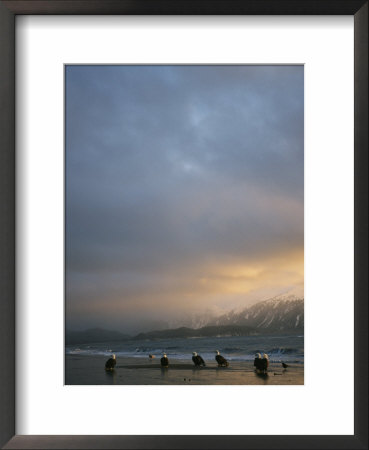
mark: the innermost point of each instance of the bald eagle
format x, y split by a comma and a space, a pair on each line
265, 363
164, 361
222, 362
110, 363
258, 362
197, 360
284, 365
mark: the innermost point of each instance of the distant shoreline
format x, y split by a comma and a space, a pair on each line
180, 333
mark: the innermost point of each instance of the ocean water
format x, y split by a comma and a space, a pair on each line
278, 348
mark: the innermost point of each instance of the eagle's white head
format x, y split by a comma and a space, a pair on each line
257, 355
113, 356
217, 352
265, 356
164, 355
194, 353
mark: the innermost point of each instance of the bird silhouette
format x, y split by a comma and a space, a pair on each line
110, 363
164, 361
284, 365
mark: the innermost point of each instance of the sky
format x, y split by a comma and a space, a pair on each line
184, 191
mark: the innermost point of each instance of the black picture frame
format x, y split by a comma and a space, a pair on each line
8, 11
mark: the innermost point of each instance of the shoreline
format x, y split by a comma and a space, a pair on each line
90, 370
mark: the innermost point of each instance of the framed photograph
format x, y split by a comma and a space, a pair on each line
194, 294
184, 224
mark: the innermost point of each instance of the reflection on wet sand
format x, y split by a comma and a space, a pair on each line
111, 376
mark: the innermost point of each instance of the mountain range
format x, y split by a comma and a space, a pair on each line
279, 315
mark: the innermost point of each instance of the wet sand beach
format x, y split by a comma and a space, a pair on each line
89, 370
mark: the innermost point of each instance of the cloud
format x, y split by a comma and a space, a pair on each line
172, 171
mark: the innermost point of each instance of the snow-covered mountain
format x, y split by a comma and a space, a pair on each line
192, 321
282, 313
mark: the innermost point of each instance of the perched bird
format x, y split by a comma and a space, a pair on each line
164, 361
222, 362
110, 363
258, 362
284, 365
151, 356
197, 360
265, 363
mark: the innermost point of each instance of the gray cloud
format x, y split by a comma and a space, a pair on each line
174, 170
